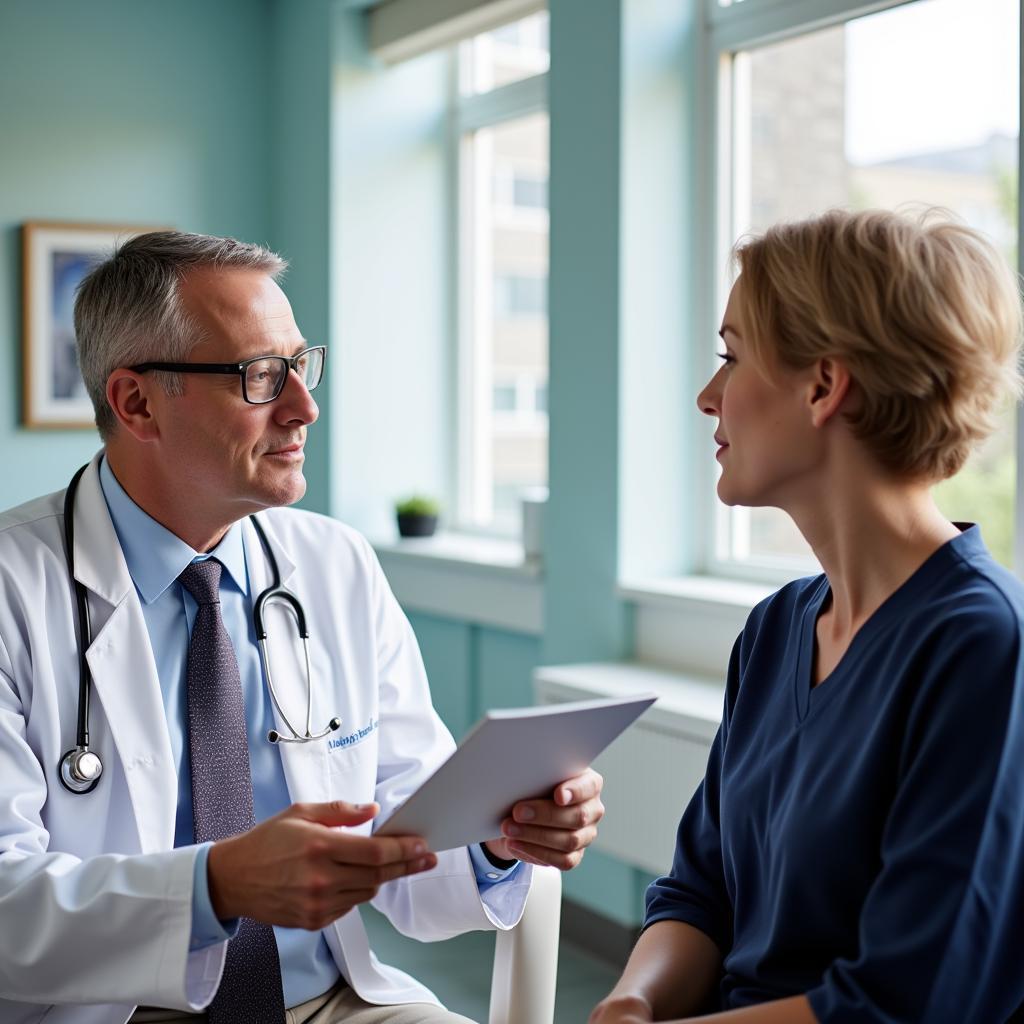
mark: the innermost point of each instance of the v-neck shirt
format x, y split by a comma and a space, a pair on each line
842, 842
890, 613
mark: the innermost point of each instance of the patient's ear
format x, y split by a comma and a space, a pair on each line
827, 390
129, 396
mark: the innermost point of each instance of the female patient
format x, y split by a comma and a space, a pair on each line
855, 852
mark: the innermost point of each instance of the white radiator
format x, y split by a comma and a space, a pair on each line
652, 769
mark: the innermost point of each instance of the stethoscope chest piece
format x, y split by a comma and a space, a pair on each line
80, 770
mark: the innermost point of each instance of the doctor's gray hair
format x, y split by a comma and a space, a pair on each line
128, 309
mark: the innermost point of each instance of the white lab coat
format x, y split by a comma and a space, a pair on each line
95, 904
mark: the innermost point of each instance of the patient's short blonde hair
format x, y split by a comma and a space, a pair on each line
923, 312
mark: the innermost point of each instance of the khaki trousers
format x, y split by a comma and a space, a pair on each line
338, 1006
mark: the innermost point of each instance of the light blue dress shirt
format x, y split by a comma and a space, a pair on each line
155, 558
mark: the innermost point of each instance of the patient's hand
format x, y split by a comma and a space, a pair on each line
556, 831
622, 1010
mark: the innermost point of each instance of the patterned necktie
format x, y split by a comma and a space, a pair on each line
250, 988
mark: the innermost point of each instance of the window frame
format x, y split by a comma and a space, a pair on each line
728, 30
472, 412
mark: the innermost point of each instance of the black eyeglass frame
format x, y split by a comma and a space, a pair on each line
240, 370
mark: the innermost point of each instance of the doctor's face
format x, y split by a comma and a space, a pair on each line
233, 457
765, 447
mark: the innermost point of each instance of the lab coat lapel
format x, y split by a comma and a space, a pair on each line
125, 681
305, 764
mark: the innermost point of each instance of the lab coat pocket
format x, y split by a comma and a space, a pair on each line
352, 771
305, 769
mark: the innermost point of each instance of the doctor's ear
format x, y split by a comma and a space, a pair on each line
128, 395
829, 387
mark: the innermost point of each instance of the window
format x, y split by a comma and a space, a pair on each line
530, 191
914, 105
504, 55
520, 295
501, 182
523, 397
505, 397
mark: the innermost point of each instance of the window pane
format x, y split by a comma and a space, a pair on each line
503, 55
529, 191
504, 397
504, 258
520, 295
915, 105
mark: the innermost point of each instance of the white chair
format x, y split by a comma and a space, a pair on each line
526, 958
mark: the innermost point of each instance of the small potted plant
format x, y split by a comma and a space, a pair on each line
417, 516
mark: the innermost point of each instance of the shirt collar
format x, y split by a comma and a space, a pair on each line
155, 556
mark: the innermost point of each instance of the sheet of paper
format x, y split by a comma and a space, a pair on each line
510, 755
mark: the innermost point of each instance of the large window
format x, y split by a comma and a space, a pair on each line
501, 184
911, 106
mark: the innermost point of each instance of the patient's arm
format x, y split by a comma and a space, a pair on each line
671, 972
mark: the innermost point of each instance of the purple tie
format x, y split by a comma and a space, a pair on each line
250, 988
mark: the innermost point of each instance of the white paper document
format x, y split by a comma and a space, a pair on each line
510, 755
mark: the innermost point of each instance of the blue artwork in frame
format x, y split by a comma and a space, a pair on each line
56, 257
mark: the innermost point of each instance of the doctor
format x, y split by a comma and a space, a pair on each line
211, 871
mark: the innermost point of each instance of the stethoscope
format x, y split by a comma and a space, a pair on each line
80, 768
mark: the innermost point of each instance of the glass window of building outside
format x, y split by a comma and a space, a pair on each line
914, 106
503, 277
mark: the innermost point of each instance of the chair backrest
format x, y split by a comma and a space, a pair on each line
526, 957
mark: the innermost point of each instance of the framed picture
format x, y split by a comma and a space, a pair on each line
55, 259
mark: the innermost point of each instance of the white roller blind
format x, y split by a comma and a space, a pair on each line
400, 29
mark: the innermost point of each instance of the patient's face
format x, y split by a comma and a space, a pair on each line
766, 448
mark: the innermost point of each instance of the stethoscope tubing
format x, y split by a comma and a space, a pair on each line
80, 768
67, 769
278, 593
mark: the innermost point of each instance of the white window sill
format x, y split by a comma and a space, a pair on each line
482, 580
690, 623
682, 591
465, 552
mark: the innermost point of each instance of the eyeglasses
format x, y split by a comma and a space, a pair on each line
263, 377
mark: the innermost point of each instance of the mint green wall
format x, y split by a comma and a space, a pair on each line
447, 649
504, 665
298, 123
125, 112
658, 516
584, 619
473, 668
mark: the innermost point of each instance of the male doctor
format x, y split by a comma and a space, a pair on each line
211, 872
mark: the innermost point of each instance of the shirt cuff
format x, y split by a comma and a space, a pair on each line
207, 928
488, 874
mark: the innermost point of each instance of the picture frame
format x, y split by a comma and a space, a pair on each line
55, 258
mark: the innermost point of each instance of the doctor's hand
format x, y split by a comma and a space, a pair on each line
299, 870
553, 832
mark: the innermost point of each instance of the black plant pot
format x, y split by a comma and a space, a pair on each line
416, 525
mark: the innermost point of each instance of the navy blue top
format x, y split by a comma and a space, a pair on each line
862, 841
